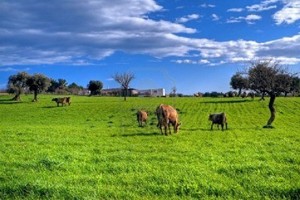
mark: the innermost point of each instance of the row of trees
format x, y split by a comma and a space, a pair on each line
22, 81
37, 83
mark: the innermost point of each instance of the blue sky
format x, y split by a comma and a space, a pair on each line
195, 46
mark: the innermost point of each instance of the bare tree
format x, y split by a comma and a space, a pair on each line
270, 78
124, 80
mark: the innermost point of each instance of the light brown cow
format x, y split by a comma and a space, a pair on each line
141, 117
166, 116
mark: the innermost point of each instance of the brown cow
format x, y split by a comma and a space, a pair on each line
68, 100
141, 117
166, 116
219, 119
63, 101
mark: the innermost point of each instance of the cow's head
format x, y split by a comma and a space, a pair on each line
176, 128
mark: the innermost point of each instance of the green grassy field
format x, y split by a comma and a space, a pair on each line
94, 149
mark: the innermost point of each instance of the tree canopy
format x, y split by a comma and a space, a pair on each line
38, 83
17, 84
95, 87
238, 82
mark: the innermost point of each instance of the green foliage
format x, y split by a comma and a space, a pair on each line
17, 84
94, 149
95, 87
238, 82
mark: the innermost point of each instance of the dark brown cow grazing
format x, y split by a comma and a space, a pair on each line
166, 116
142, 117
61, 101
219, 119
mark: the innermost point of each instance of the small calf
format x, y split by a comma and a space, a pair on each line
219, 119
142, 117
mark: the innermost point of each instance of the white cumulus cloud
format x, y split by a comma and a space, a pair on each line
188, 18
289, 14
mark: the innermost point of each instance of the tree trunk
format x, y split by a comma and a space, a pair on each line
35, 95
17, 97
272, 110
240, 92
262, 96
125, 94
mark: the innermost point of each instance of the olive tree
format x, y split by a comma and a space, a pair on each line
238, 82
295, 88
37, 83
17, 84
269, 77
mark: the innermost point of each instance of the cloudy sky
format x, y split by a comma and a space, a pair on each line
192, 45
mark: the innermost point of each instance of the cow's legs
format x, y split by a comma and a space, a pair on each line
166, 127
169, 127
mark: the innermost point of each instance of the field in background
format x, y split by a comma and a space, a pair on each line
94, 149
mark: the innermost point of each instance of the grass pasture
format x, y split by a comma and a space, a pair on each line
94, 149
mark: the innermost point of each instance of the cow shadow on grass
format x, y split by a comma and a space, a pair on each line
52, 107
49, 107
141, 134
9, 101
228, 101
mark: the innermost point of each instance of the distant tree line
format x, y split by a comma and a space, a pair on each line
23, 82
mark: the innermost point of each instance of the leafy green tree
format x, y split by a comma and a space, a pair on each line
38, 83
17, 84
95, 87
62, 84
73, 88
53, 86
238, 82
58, 86
295, 87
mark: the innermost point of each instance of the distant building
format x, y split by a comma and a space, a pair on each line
119, 92
84, 92
152, 92
134, 92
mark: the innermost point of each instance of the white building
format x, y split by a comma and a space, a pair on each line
153, 92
